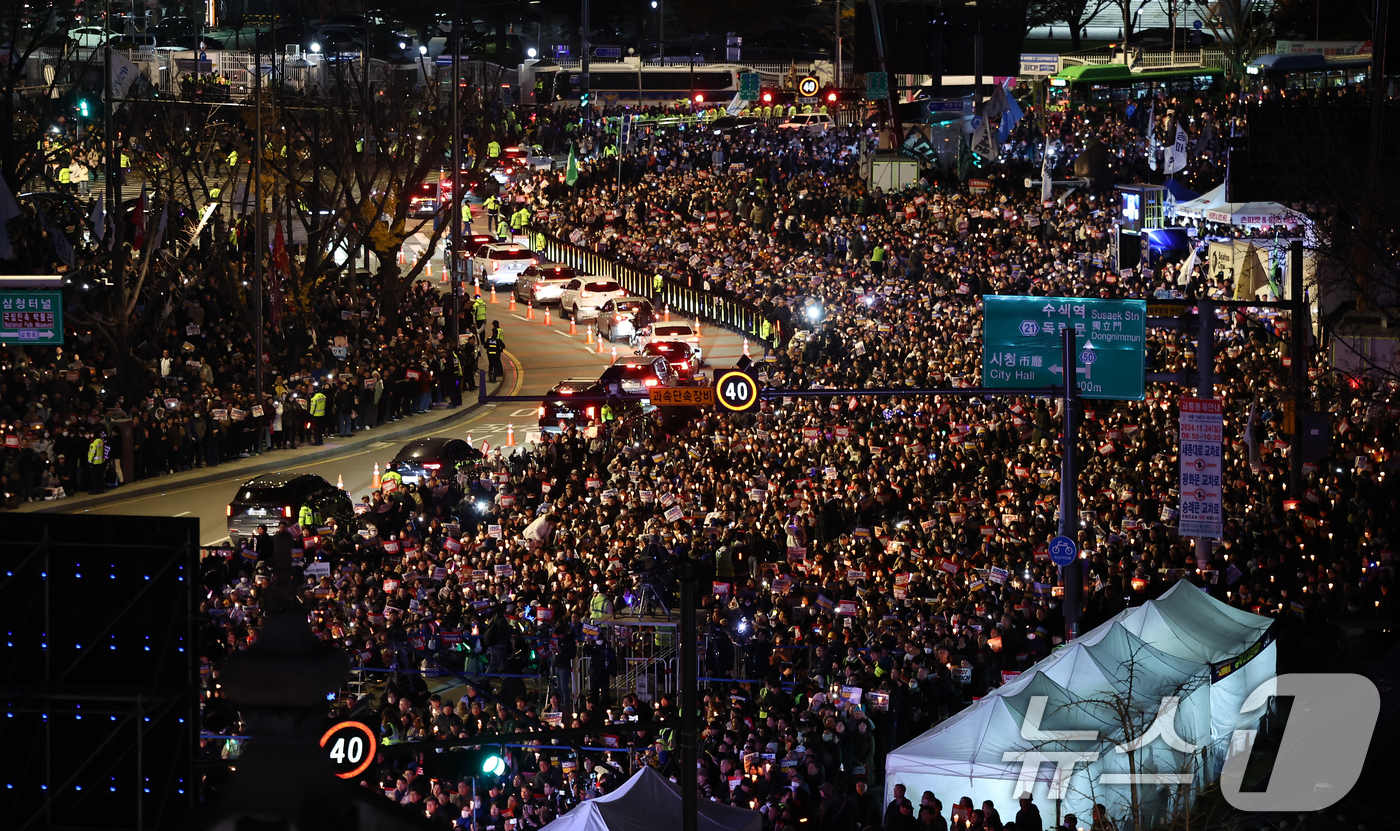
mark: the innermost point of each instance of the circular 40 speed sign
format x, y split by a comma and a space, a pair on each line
736, 391
351, 747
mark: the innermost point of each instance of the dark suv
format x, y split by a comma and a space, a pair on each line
574, 403
632, 376
276, 496
421, 458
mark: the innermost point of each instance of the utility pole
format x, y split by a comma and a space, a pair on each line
111, 186
1069, 489
1205, 388
1297, 351
258, 246
457, 199
689, 667
836, 49
1377, 84
585, 48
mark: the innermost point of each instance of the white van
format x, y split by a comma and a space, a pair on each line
816, 122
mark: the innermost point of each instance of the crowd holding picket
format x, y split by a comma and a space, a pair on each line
895, 546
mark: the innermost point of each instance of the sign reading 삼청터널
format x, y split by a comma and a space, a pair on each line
1202, 433
1022, 344
31, 318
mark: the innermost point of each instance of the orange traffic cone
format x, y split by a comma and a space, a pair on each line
428, 268
374, 483
697, 326
600, 344
530, 310
510, 435
746, 347
493, 294
573, 328
512, 302
401, 260
340, 482
546, 316
588, 337
667, 319
614, 351
469, 438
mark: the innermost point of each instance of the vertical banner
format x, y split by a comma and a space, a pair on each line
1202, 431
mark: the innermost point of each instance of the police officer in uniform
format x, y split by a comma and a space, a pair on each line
97, 464
318, 416
479, 314
495, 348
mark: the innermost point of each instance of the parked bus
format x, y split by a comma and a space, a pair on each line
1309, 70
627, 83
1101, 84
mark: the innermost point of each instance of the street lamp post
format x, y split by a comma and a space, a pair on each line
660, 30
457, 196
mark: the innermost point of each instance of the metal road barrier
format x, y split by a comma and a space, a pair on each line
735, 315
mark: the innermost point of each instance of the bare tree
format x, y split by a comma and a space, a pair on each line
1242, 29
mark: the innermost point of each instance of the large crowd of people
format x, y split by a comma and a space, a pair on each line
891, 546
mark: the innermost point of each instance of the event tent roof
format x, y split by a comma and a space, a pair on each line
647, 802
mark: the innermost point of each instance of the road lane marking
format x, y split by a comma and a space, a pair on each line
183, 513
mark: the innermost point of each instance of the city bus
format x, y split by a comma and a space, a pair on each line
1308, 70
627, 82
1100, 84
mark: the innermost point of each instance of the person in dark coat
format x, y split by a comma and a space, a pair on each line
1028, 818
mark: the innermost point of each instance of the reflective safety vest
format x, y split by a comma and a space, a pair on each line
491, 204
466, 213
607, 413
878, 255
126, 160
307, 518
391, 476
493, 149
539, 241
233, 158
657, 282
65, 175
318, 405
495, 346
599, 606
97, 452
479, 310
765, 331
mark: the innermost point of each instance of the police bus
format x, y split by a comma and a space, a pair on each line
629, 82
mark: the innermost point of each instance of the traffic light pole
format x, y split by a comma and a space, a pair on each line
458, 199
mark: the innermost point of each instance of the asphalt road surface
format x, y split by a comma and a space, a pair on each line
540, 356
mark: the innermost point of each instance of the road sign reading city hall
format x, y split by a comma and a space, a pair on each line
1022, 344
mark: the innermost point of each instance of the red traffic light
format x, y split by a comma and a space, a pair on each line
699, 98
767, 97
831, 97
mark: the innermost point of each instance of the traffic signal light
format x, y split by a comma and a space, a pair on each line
768, 96
583, 101
83, 108
699, 98
831, 96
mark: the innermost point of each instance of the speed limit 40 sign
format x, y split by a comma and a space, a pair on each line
351, 747
736, 391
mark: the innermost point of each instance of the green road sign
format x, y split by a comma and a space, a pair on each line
31, 318
1023, 346
748, 85
877, 86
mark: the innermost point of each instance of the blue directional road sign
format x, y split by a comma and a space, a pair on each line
1022, 344
1063, 551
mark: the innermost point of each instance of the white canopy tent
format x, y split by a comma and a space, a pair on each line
1109, 681
647, 802
1212, 207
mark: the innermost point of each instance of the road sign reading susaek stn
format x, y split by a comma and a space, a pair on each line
1022, 344
31, 318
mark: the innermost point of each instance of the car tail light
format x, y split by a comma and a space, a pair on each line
496, 265
541, 411
287, 512
617, 318
432, 465
651, 382
590, 411
228, 510
585, 293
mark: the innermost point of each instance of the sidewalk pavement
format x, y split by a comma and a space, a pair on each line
405, 428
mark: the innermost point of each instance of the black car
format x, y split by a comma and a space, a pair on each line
572, 403
277, 496
421, 458
632, 376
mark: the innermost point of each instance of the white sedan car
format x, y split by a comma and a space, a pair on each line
90, 37
677, 332
583, 296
